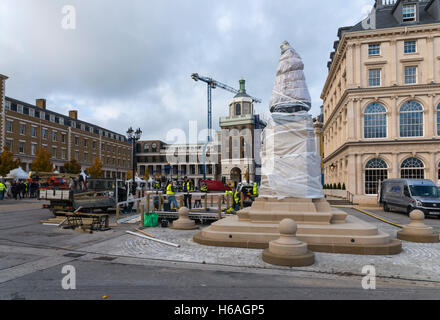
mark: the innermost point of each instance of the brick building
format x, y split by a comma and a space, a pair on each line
26, 128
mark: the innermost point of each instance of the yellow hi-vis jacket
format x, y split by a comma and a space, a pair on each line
188, 187
170, 191
237, 197
255, 190
2, 187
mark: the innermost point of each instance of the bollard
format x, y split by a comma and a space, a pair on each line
147, 202
212, 201
242, 201
206, 202
138, 207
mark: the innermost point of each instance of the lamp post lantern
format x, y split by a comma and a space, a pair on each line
134, 137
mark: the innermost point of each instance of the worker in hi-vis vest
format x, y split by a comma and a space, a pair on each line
2, 190
237, 200
188, 187
255, 190
171, 195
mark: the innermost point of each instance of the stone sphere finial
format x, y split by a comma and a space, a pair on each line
417, 215
288, 227
184, 211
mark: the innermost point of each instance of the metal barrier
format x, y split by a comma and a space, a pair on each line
201, 214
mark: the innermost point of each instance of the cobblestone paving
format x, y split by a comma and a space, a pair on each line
416, 262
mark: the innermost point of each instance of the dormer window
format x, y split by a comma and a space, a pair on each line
409, 13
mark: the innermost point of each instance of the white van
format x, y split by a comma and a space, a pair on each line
406, 195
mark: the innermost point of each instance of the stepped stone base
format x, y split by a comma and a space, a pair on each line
321, 227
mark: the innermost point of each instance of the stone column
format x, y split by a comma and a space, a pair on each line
317, 126
393, 121
351, 183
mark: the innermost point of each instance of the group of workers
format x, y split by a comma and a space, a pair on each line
18, 189
188, 189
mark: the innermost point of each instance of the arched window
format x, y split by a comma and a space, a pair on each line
238, 109
438, 119
412, 168
375, 121
411, 119
439, 171
376, 170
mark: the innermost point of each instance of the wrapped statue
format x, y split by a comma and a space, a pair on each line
291, 168
290, 93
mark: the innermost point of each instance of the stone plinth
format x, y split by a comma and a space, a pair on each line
417, 230
287, 250
184, 222
321, 227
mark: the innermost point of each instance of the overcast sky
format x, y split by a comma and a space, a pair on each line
129, 62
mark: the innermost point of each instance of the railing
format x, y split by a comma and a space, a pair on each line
350, 197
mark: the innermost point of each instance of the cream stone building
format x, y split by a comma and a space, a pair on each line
239, 144
382, 99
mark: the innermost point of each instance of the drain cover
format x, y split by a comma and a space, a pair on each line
105, 258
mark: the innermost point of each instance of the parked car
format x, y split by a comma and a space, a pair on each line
406, 195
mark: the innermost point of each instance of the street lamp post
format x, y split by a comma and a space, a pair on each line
134, 137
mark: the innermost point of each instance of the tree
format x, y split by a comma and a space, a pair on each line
129, 175
147, 175
7, 162
42, 162
72, 167
95, 171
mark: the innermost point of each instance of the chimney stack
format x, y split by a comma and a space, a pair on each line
73, 114
41, 103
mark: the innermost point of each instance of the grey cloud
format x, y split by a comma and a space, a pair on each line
128, 63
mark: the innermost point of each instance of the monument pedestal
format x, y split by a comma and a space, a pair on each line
323, 229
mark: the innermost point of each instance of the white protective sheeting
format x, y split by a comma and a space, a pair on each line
291, 166
290, 87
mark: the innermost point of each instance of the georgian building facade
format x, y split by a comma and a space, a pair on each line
27, 128
382, 99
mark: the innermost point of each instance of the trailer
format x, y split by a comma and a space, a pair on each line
100, 194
